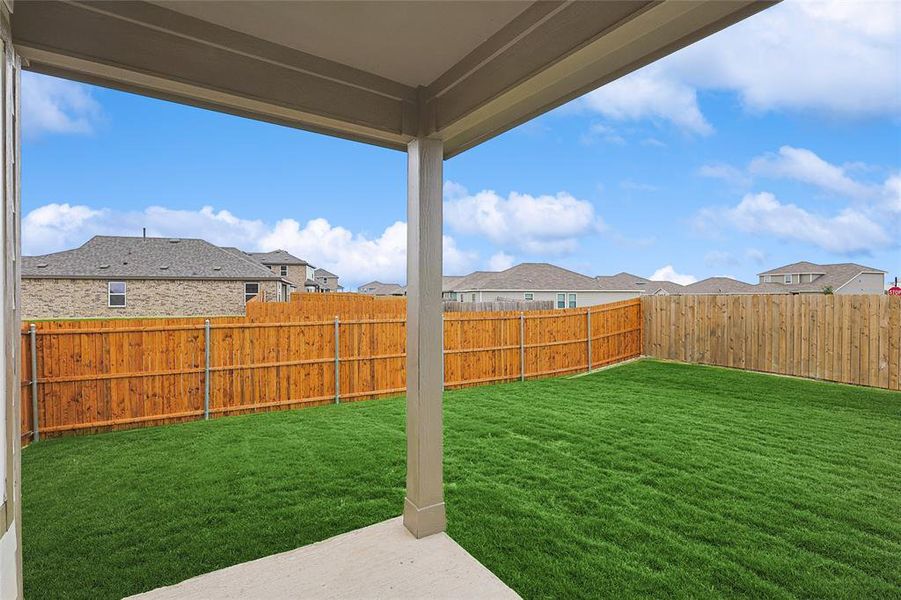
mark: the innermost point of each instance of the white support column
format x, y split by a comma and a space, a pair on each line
424, 504
10, 363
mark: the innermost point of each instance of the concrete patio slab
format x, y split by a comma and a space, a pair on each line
380, 561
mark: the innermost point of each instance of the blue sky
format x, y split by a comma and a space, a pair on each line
774, 141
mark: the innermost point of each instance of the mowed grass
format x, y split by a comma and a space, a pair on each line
647, 480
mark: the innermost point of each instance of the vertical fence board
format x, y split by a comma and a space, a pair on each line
113, 374
849, 339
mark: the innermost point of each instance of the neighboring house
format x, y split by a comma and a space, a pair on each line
811, 278
377, 288
799, 278
447, 287
140, 276
634, 285
535, 281
297, 271
723, 286
327, 281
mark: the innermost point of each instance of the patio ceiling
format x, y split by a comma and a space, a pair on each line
378, 72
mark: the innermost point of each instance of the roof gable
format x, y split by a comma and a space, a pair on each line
528, 276
113, 257
809, 267
277, 257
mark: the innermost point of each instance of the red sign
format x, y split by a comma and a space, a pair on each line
894, 291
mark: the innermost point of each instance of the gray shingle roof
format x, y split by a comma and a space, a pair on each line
833, 276
809, 267
527, 276
277, 257
448, 282
623, 281
377, 288
635, 283
111, 257
323, 273
667, 286
722, 285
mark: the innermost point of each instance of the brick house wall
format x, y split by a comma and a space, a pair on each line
87, 298
296, 274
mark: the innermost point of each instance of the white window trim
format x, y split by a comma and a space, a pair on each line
528, 296
786, 279
557, 304
110, 294
246, 283
572, 298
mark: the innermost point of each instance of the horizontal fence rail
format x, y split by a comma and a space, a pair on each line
93, 375
848, 339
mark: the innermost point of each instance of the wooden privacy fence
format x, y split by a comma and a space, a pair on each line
497, 305
114, 374
849, 339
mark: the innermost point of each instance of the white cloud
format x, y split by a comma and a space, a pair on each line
54, 227
837, 58
653, 142
500, 261
354, 257
891, 194
728, 173
756, 256
848, 232
804, 165
51, 105
535, 224
822, 56
602, 132
668, 273
647, 94
720, 258
637, 186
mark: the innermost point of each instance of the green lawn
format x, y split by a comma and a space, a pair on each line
650, 479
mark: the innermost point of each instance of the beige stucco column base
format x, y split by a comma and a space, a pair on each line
423, 522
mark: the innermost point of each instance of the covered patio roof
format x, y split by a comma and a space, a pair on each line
431, 78
378, 72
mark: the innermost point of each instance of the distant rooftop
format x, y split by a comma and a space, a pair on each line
277, 257
629, 282
527, 276
119, 257
378, 288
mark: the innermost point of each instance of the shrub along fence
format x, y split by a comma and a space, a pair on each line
91, 375
849, 339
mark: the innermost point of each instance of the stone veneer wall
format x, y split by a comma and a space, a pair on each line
87, 298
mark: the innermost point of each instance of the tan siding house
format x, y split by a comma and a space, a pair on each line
144, 277
811, 278
298, 272
533, 281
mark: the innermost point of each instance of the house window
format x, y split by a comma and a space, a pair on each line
284, 270
115, 296
251, 290
473, 297
529, 296
572, 300
787, 279
561, 300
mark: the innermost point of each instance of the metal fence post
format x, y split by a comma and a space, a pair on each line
522, 347
34, 383
206, 369
588, 319
337, 364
